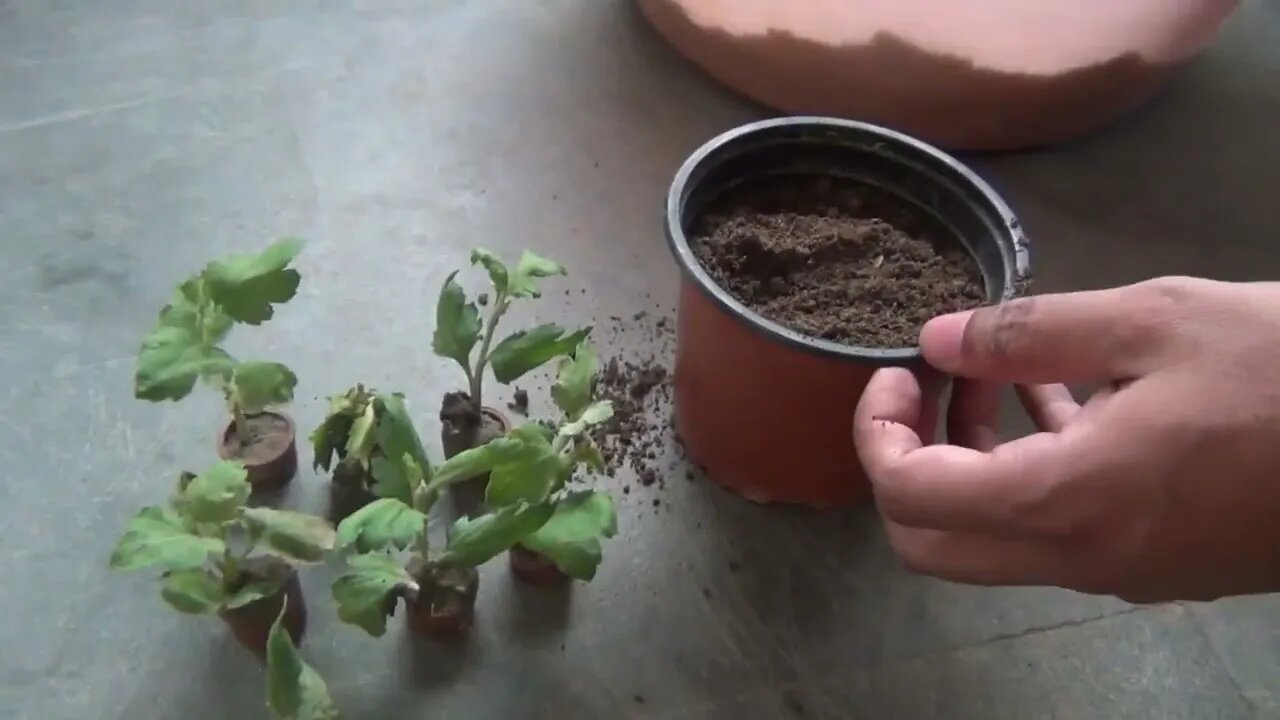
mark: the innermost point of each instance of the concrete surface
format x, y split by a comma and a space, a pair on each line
138, 138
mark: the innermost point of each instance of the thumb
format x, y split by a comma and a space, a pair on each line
1072, 337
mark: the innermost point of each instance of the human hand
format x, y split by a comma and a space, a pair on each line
1165, 485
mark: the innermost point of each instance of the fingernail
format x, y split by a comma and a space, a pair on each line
942, 338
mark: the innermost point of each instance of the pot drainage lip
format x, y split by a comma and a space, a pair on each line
679, 242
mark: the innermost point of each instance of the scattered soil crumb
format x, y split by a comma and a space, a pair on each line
844, 262
482, 299
734, 566
520, 402
638, 698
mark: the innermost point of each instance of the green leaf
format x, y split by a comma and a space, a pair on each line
396, 437
182, 347
586, 452
194, 591
256, 590
524, 350
284, 669
380, 525
527, 476
361, 438
365, 592
246, 285
215, 495
574, 379
594, 414
571, 538
293, 536
258, 384
497, 270
457, 323
472, 542
528, 270
157, 537
475, 461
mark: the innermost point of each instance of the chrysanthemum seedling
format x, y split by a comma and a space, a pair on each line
185, 346
461, 336
368, 434
217, 555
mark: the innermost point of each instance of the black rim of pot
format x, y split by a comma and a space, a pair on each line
947, 171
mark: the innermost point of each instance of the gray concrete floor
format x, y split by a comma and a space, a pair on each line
138, 138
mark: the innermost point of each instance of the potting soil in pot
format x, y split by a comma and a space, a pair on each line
267, 437
840, 261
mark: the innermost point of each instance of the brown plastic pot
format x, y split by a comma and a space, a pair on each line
349, 490
534, 568
268, 471
764, 410
459, 432
251, 624
445, 606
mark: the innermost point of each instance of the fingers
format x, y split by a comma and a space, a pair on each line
1051, 407
973, 415
1014, 491
983, 560
1074, 337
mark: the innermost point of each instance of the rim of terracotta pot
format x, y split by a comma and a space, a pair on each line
918, 173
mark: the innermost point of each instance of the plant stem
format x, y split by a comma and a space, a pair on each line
500, 305
241, 424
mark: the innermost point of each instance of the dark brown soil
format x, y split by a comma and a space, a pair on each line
267, 438
445, 606
520, 401
836, 260
634, 435
251, 623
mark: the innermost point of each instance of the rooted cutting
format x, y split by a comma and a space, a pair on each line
843, 262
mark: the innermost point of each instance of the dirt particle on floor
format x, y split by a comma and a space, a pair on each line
520, 401
839, 261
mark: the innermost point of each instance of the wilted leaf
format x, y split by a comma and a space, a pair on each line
361, 438
156, 537
522, 351
457, 323
382, 524
256, 590
330, 437
215, 495
475, 461
497, 269
593, 414
529, 475
258, 384
246, 285
523, 282
194, 591
473, 541
294, 536
364, 592
574, 378
571, 538
182, 348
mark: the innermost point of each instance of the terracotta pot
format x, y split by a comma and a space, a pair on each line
766, 411
251, 624
982, 74
534, 568
445, 606
458, 432
271, 465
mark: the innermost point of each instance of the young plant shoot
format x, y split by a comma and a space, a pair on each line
185, 346
295, 691
438, 587
369, 434
459, 329
570, 541
215, 554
